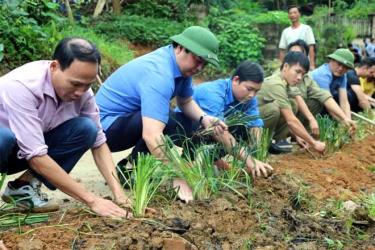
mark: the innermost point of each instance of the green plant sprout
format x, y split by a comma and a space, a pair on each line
148, 176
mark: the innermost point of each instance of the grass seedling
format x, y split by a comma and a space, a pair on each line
17, 219
260, 145
198, 170
332, 133
2, 179
232, 117
11, 219
148, 176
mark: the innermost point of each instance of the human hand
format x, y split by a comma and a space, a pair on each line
122, 200
314, 128
184, 192
319, 146
105, 207
351, 125
302, 142
213, 122
256, 168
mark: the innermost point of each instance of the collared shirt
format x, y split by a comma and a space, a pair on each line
216, 98
290, 35
276, 90
29, 107
326, 80
308, 89
145, 84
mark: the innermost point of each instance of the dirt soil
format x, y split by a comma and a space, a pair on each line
293, 209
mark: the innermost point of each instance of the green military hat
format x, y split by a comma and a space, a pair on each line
343, 56
201, 42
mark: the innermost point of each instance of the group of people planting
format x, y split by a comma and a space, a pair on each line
49, 116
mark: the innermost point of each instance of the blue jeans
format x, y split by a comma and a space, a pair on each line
126, 132
66, 145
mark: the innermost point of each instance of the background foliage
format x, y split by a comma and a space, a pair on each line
30, 29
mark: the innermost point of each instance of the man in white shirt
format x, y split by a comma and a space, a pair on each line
297, 31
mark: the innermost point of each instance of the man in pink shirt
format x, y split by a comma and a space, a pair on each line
48, 120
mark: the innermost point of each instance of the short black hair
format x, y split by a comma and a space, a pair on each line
293, 6
293, 58
74, 48
249, 71
368, 62
301, 43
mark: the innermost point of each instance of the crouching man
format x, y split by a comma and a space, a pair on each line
48, 120
276, 104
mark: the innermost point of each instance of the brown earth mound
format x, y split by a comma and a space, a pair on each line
277, 215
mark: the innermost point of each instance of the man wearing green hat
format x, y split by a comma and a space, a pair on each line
332, 77
134, 100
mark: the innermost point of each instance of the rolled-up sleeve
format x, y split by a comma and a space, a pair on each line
20, 105
91, 110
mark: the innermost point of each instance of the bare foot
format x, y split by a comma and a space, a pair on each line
183, 190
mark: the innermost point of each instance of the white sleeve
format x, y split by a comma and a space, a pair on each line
283, 43
309, 36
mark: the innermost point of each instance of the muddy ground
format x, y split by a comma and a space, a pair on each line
299, 207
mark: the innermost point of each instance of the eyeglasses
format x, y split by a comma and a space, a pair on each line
199, 60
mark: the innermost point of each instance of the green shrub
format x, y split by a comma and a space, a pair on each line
329, 36
239, 40
140, 29
167, 9
24, 38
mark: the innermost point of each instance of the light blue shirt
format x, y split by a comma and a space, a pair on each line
216, 98
326, 80
145, 84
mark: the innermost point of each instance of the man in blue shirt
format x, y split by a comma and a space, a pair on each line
332, 77
222, 97
134, 100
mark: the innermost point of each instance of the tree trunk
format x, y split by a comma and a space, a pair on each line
116, 7
69, 11
99, 8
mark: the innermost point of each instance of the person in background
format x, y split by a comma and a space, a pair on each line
277, 106
296, 31
357, 98
311, 99
223, 97
332, 77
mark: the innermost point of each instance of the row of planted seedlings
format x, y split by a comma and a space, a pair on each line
196, 166
13, 214
335, 135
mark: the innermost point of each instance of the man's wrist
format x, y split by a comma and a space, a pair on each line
201, 119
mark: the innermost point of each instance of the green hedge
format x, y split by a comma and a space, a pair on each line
24, 35
140, 29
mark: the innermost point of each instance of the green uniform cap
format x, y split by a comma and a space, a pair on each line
343, 56
201, 42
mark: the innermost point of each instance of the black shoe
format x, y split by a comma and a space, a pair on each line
125, 174
280, 147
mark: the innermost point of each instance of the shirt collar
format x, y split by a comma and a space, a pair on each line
229, 92
48, 87
176, 70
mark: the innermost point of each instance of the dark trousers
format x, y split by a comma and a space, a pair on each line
353, 100
126, 132
66, 145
